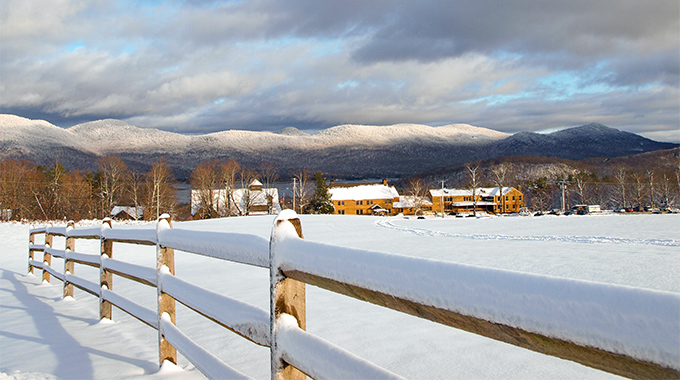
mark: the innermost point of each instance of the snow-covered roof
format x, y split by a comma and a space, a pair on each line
493, 191
256, 183
450, 192
377, 208
136, 213
409, 201
482, 191
363, 192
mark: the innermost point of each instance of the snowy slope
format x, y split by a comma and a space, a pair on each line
21, 133
365, 134
115, 136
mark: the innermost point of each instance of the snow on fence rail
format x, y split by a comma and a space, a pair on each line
627, 331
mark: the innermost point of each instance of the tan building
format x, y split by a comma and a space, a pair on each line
373, 199
381, 199
487, 199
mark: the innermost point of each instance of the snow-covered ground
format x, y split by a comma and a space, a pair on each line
45, 337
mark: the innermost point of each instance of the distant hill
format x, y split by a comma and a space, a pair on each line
345, 151
591, 140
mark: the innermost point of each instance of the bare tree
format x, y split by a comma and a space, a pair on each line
473, 184
538, 192
75, 198
665, 191
581, 180
620, 178
302, 189
113, 176
652, 190
204, 180
247, 176
160, 195
20, 183
228, 173
418, 191
269, 173
53, 196
638, 190
499, 172
133, 189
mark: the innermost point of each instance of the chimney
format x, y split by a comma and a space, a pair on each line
332, 182
384, 181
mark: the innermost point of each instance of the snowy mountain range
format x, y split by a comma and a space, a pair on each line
341, 151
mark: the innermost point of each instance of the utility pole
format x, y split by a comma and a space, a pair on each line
294, 190
563, 187
442, 201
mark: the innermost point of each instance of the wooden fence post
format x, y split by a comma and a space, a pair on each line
68, 264
286, 296
31, 241
47, 257
106, 277
166, 304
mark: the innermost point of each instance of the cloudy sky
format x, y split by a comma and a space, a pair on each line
200, 66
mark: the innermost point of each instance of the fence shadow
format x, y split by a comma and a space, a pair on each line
73, 359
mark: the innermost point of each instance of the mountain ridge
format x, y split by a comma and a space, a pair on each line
348, 150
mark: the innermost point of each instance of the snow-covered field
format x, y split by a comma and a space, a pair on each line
45, 337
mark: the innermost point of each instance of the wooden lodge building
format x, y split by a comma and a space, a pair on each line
364, 199
486, 199
381, 199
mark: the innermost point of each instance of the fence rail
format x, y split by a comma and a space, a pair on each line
442, 292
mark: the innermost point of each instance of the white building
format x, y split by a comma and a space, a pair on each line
253, 200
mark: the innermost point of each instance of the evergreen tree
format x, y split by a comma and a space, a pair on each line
322, 204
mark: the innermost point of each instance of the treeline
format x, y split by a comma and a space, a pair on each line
32, 192
642, 182
640, 191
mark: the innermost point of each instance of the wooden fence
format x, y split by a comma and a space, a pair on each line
282, 328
